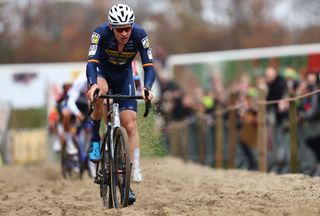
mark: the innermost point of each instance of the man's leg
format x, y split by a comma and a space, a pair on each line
94, 152
129, 122
136, 171
66, 121
56, 145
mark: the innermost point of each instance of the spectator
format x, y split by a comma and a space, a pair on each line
277, 88
309, 113
248, 130
292, 79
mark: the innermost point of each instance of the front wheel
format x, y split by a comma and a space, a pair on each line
122, 169
104, 177
70, 165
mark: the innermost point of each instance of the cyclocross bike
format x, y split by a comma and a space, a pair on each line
114, 169
73, 166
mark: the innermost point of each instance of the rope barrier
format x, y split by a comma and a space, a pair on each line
264, 102
289, 99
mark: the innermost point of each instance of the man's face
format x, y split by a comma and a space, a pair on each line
270, 74
122, 33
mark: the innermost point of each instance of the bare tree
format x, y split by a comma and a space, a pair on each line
48, 30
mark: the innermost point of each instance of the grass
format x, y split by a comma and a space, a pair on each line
28, 118
151, 140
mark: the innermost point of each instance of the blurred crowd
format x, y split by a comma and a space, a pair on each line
180, 103
177, 104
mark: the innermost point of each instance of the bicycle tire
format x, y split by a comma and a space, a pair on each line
69, 164
120, 184
79, 162
63, 159
104, 167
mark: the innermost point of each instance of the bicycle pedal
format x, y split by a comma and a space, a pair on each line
99, 174
97, 180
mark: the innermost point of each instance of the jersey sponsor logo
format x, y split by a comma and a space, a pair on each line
93, 50
113, 62
118, 61
145, 42
114, 53
149, 52
95, 38
117, 58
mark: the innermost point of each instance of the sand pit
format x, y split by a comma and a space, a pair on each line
170, 187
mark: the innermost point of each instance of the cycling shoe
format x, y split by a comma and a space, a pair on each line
131, 198
94, 153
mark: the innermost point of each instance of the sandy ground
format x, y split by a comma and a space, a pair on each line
170, 187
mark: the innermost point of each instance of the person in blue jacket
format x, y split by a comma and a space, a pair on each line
114, 45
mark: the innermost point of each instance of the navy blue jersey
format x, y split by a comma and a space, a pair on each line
104, 54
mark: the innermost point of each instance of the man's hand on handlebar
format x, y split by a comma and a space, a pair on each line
147, 94
91, 91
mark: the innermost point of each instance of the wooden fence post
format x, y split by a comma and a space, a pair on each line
201, 139
262, 145
293, 137
219, 137
173, 138
232, 131
184, 133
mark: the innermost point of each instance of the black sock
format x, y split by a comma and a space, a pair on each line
95, 130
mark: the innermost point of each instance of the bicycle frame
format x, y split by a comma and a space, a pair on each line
115, 124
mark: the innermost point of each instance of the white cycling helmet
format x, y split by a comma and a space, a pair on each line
120, 14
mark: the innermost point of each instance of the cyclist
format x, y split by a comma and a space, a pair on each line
114, 45
74, 105
75, 108
59, 131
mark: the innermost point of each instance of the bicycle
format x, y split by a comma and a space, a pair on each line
114, 169
73, 166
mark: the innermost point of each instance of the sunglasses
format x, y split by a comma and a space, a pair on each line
126, 29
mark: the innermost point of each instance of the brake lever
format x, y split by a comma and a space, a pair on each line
147, 103
95, 96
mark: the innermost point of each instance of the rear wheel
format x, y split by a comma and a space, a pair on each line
121, 173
